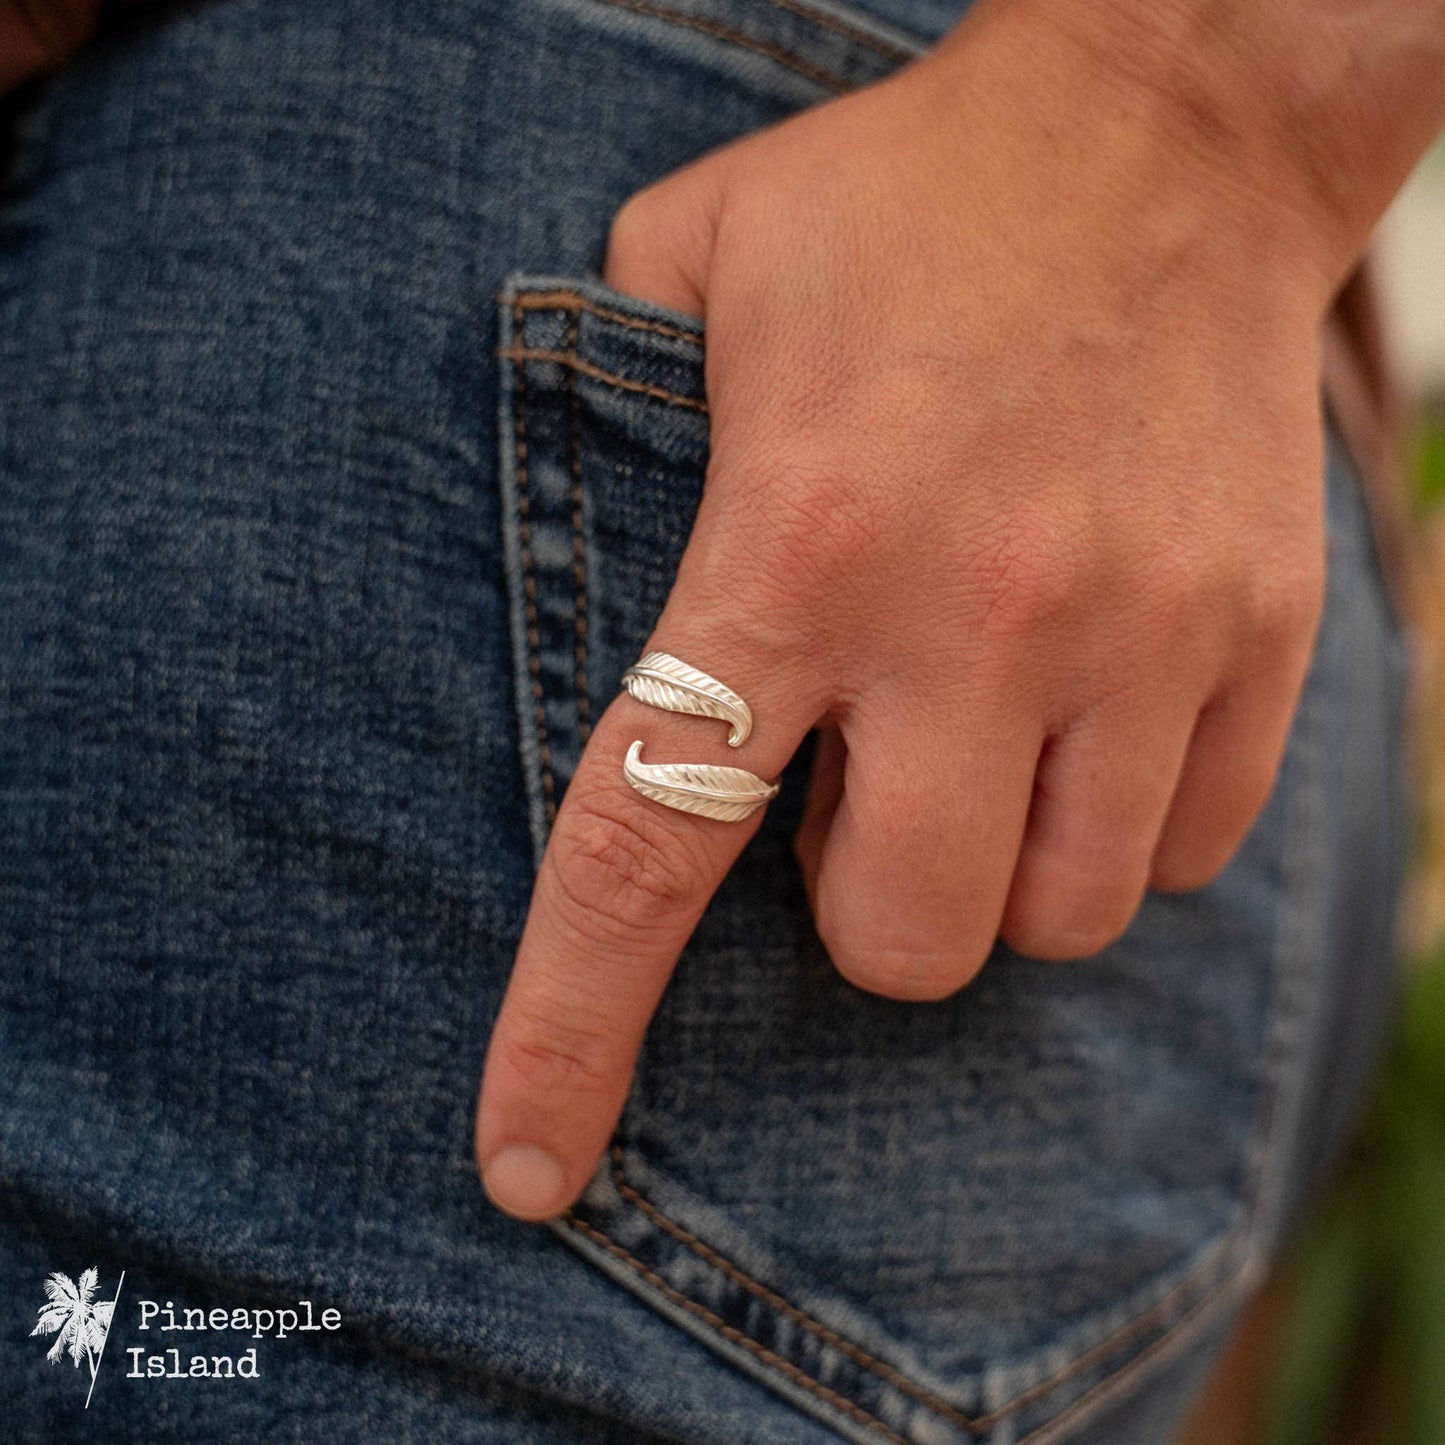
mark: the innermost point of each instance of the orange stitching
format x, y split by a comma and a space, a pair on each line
885, 48
885, 1371
729, 1332
579, 549
1110, 1383
1127, 1332
564, 358
575, 301
854, 1352
735, 37
529, 588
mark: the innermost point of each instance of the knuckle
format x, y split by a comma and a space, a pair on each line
772, 597
817, 535
1071, 933
549, 1056
1070, 904
1027, 575
619, 873
632, 224
906, 974
1263, 603
891, 969
1284, 605
1185, 872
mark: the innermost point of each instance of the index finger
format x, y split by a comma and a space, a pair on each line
623, 882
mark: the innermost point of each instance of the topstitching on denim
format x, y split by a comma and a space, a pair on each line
731, 35
574, 363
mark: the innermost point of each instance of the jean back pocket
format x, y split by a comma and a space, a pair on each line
969, 1221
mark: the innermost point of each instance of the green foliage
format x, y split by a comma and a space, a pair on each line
1324, 1323
1369, 1297
1427, 468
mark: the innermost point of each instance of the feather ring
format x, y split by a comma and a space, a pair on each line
727, 794
660, 680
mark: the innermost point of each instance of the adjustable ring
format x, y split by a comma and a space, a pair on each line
709, 789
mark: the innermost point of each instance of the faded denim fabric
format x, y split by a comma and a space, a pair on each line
335, 496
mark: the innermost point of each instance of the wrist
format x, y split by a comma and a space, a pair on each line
1268, 112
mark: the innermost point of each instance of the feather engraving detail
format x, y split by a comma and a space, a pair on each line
727, 794
660, 680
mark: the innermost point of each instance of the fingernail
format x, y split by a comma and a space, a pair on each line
525, 1181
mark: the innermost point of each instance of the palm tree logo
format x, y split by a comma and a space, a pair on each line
79, 1322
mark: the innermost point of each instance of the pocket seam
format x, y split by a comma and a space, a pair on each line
892, 52
738, 38
563, 300
529, 589
579, 546
730, 1332
516, 300
574, 364
841, 27
974, 1424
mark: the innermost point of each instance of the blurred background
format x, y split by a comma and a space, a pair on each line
1346, 1345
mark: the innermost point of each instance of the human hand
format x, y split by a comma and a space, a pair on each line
1015, 491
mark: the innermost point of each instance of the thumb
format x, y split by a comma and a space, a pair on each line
660, 245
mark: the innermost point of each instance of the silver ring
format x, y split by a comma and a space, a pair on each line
708, 789
727, 794
661, 680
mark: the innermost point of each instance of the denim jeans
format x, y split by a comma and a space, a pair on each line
336, 493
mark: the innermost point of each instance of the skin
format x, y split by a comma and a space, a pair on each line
1015, 492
